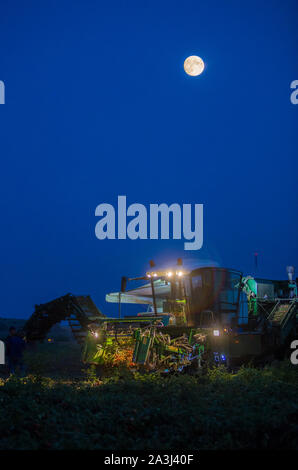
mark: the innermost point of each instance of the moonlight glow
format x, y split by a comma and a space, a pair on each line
193, 65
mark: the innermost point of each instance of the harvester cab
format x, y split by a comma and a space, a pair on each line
202, 298
200, 303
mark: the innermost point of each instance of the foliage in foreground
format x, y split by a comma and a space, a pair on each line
251, 409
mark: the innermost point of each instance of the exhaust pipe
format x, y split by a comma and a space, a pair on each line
291, 272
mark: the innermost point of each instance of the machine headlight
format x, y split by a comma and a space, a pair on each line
215, 332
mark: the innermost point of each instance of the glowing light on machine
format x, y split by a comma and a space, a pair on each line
167, 273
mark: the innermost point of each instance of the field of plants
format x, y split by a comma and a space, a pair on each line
62, 404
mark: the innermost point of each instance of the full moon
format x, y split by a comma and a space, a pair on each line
193, 65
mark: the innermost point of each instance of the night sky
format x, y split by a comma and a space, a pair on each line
98, 105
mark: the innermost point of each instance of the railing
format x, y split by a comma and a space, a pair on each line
272, 313
289, 313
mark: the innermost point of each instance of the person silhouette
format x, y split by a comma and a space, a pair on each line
15, 346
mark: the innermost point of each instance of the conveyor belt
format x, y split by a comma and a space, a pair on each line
80, 311
283, 317
279, 313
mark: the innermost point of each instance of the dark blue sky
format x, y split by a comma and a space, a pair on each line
98, 105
